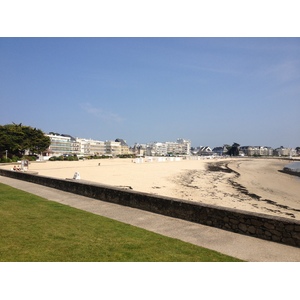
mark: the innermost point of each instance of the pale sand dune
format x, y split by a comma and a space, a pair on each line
273, 192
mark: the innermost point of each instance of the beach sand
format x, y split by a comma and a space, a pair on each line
249, 184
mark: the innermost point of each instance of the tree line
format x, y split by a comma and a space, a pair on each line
16, 139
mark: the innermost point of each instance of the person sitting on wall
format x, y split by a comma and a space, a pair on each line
15, 168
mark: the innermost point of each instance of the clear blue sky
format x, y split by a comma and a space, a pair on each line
213, 91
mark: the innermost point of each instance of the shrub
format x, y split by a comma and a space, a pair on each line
55, 158
30, 157
71, 158
5, 160
126, 156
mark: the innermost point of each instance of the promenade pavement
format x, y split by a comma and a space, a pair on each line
233, 244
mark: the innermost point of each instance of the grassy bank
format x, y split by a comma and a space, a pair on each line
35, 229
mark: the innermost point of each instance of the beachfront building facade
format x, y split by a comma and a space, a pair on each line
112, 148
97, 147
172, 148
184, 146
59, 145
75, 147
124, 147
256, 150
282, 151
156, 149
181, 147
90, 147
138, 149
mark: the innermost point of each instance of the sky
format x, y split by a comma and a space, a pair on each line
212, 91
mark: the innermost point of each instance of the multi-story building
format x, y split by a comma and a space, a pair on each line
112, 148
172, 148
156, 149
97, 147
181, 147
124, 146
184, 146
67, 145
282, 151
60, 144
139, 149
75, 147
256, 150
91, 147
82, 146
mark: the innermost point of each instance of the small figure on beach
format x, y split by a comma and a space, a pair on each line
76, 175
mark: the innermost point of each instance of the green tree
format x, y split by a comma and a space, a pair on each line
15, 139
11, 138
36, 141
234, 150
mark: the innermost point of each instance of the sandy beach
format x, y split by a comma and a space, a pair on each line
243, 183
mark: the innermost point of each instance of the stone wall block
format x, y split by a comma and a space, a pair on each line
295, 235
243, 227
276, 239
252, 230
268, 225
234, 221
256, 223
297, 228
289, 227
267, 233
276, 232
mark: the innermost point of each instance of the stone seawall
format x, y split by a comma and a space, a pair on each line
262, 226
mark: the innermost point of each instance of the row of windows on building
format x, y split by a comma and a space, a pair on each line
65, 144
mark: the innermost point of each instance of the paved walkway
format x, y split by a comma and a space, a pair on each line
233, 244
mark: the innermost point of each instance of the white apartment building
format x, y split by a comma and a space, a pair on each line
75, 147
90, 147
156, 149
124, 146
282, 151
60, 145
184, 146
66, 145
139, 149
181, 147
256, 150
112, 148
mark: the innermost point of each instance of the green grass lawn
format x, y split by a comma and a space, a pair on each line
33, 229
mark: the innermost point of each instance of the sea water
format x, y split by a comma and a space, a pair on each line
294, 167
